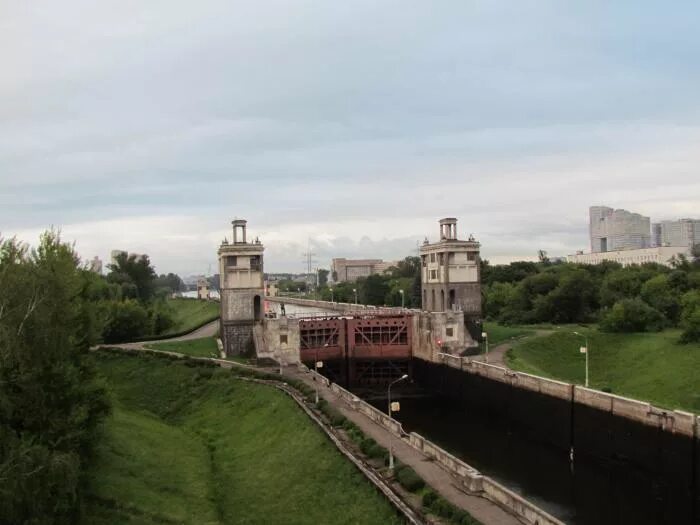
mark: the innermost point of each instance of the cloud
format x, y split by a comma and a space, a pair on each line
149, 127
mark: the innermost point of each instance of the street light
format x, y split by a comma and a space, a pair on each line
485, 337
584, 350
331, 293
354, 290
391, 441
318, 364
402, 297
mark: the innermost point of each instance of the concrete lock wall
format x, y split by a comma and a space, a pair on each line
469, 477
651, 451
281, 340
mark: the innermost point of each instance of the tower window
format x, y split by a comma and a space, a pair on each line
433, 274
432, 257
283, 339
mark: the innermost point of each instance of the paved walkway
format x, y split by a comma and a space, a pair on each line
497, 354
482, 509
208, 330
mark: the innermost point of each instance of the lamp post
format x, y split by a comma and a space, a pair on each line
485, 337
391, 441
354, 290
331, 294
402, 298
318, 364
584, 350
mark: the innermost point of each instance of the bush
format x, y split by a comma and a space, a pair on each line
126, 322
443, 508
632, 315
691, 328
409, 479
429, 497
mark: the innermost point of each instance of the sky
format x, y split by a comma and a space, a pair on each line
346, 128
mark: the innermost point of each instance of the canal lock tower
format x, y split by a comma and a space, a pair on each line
242, 290
451, 283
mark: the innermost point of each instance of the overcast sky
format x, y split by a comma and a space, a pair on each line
355, 126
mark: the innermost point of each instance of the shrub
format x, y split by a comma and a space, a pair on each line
443, 508
632, 315
409, 479
691, 328
429, 497
127, 321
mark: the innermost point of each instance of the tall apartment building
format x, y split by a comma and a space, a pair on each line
615, 230
683, 232
350, 270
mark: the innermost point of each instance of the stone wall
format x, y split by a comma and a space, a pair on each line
281, 337
237, 338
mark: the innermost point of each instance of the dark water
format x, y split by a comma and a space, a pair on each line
592, 490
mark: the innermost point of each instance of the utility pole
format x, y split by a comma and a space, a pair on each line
310, 262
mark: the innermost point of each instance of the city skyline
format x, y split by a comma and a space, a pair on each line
355, 126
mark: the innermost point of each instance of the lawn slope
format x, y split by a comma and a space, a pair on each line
647, 366
189, 314
192, 445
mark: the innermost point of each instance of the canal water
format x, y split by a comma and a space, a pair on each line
588, 491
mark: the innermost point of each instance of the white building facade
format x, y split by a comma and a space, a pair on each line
614, 230
660, 255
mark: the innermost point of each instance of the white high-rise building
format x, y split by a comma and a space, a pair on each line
615, 230
683, 232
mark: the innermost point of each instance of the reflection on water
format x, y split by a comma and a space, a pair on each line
594, 492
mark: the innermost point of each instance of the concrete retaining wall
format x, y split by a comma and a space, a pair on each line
670, 420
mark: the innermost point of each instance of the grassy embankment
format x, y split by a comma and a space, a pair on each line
190, 313
192, 445
499, 333
649, 366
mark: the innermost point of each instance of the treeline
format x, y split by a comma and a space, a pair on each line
381, 289
50, 400
637, 298
130, 301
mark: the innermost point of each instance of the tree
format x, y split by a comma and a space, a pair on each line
322, 277
690, 317
658, 293
128, 320
134, 273
373, 289
543, 258
632, 315
50, 401
171, 282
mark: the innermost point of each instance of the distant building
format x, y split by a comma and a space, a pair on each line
203, 290
451, 273
96, 265
615, 230
683, 232
350, 270
661, 255
271, 289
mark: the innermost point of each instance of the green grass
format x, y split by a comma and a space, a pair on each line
499, 333
196, 445
647, 366
204, 347
190, 313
